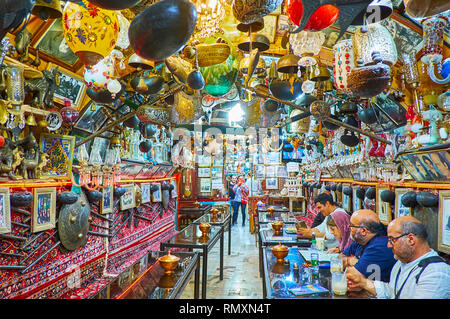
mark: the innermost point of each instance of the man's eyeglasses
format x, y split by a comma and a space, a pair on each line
355, 226
392, 240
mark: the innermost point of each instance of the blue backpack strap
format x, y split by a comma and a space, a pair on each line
426, 261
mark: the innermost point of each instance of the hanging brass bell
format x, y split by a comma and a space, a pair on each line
30, 120
47, 9
273, 74
255, 26
288, 64
258, 41
137, 62
321, 73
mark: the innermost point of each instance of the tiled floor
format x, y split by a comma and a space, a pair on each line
241, 269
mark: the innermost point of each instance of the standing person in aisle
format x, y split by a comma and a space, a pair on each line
231, 193
240, 200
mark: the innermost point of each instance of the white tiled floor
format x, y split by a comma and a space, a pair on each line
241, 269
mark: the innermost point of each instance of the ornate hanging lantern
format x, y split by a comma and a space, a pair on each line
90, 32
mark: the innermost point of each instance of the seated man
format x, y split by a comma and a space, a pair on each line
419, 272
369, 253
325, 204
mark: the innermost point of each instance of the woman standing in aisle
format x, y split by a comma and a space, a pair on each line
241, 198
234, 202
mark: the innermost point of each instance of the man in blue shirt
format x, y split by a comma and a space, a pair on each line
369, 252
419, 272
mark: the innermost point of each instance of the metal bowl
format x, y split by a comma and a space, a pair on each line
280, 251
169, 262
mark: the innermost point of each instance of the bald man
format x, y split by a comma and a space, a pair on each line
368, 253
419, 272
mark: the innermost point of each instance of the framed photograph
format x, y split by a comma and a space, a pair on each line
357, 203
347, 200
59, 149
204, 172
383, 208
283, 25
101, 144
44, 209
204, 160
174, 194
273, 158
270, 27
260, 171
217, 171
436, 167
52, 46
272, 183
69, 85
270, 171
91, 121
400, 209
260, 158
107, 201
146, 194
282, 171
157, 194
218, 161
444, 222
5, 211
205, 185
391, 114
127, 200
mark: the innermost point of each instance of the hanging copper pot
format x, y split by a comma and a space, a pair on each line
150, 83
320, 110
152, 114
370, 80
285, 90
162, 29
248, 11
47, 9
367, 116
425, 8
103, 96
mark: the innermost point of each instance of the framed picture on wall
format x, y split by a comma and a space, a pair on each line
174, 193
357, 203
91, 119
444, 222
204, 172
260, 171
59, 149
270, 171
347, 202
205, 185
400, 209
44, 209
68, 85
107, 200
5, 211
127, 200
272, 183
383, 208
145, 191
273, 158
216, 171
204, 160
282, 172
157, 194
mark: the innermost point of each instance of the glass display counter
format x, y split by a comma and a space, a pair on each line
146, 279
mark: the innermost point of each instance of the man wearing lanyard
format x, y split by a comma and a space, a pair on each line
368, 253
419, 272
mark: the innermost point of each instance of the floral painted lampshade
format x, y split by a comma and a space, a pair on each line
90, 32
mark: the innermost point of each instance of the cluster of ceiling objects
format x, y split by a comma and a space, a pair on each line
185, 70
